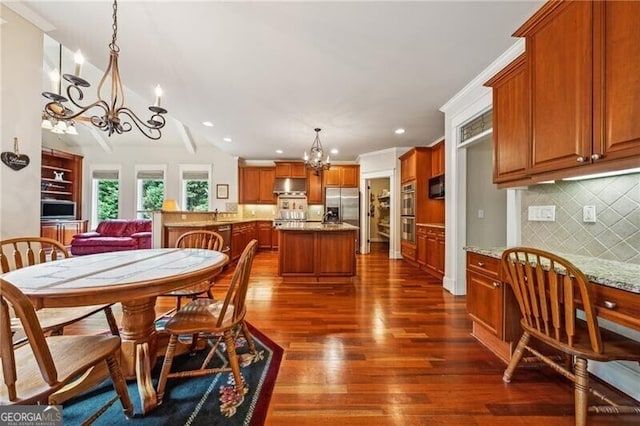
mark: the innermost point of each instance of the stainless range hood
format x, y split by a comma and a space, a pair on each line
290, 186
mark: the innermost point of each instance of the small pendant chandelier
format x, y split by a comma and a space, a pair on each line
314, 160
114, 117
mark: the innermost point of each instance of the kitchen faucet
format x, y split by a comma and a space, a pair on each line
326, 216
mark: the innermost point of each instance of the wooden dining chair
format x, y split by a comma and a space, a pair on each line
32, 372
222, 319
197, 239
16, 253
550, 291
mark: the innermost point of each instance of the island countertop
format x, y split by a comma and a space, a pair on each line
316, 226
610, 273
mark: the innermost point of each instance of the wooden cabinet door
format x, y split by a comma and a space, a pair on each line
349, 176
66, 230
408, 166
485, 302
264, 234
616, 80
437, 159
559, 52
49, 230
275, 235
314, 188
290, 169
331, 177
511, 129
267, 180
421, 245
440, 255
432, 251
408, 250
249, 185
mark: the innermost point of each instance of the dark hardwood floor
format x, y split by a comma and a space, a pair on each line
393, 348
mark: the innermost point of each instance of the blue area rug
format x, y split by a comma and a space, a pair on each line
195, 400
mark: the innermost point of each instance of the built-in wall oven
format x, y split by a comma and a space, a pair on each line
408, 227
408, 199
407, 212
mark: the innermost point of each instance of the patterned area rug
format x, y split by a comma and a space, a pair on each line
203, 400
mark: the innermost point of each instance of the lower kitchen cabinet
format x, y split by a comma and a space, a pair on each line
430, 249
492, 306
265, 234
241, 234
62, 230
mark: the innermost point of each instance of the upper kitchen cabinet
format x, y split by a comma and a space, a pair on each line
343, 176
256, 185
437, 159
314, 187
584, 80
414, 162
290, 169
510, 122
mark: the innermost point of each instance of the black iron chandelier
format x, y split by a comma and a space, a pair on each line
114, 117
314, 160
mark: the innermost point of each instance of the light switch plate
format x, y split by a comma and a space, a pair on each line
589, 214
542, 214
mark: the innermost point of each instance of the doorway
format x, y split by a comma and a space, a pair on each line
486, 209
379, 213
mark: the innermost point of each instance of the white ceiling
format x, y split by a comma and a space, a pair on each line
267, 73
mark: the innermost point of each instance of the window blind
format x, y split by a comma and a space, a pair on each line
195, 175
105, 174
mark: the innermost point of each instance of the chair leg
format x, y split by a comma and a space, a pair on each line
233, 361
581, 391
166, 368
113, 325
120, 385
247, 335
516, 357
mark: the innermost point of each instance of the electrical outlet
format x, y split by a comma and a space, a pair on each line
480, 214
183, 217
589, 214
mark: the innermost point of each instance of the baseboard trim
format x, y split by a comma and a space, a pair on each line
621, 375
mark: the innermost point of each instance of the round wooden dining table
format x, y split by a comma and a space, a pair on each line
133, 278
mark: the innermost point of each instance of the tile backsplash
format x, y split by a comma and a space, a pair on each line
614, 236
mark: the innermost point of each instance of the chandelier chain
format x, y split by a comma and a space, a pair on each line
114, 26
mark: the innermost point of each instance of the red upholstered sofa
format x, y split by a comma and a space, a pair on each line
113, 235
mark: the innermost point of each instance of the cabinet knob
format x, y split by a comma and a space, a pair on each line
481, 264
609, 304
596, 157
496, 284
582, 159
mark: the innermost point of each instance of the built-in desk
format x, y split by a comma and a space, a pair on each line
496, 316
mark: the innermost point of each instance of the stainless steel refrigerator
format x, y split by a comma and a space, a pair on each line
342, 205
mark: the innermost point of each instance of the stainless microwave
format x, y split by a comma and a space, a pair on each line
436, 187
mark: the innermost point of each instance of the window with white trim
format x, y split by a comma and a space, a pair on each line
195, 190
105, 197
150, 190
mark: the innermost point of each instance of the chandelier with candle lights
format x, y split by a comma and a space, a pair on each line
114, 116
315, 159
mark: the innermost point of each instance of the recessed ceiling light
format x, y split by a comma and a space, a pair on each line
227, 139
279, 151
334, 151
207, 123
399, 131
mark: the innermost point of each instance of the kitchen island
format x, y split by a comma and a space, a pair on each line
317, 252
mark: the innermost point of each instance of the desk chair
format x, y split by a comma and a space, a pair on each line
32, 372
547, 288
222, 319
19, 252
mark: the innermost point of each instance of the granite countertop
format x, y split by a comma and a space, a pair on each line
621, 275
188, 224
316, 226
